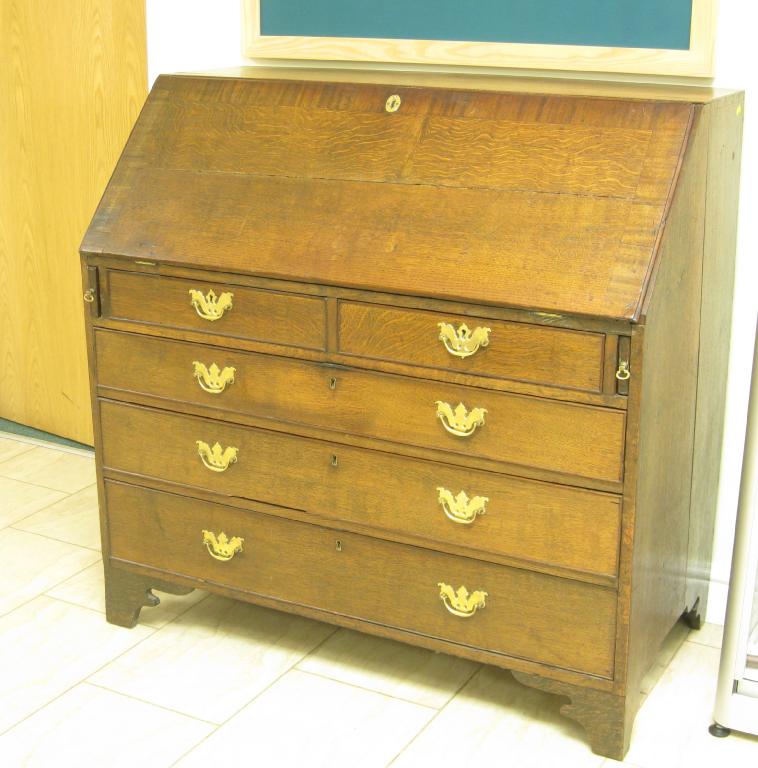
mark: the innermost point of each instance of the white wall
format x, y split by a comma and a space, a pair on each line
187, 35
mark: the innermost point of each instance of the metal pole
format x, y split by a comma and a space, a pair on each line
747, 523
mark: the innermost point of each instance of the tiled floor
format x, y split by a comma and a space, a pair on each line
205, 681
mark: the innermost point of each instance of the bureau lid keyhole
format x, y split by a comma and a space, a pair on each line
332, 383
334, 460
338, 545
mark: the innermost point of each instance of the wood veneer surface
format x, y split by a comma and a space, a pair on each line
554, 202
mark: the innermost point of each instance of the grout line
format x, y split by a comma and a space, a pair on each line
703, 644
368, 690
40, 485
33, 441
15, 455
53, 538
66, 495
72, 576
318, 645
44, 592
40, 708
86, 679
437, 714
258, 695
79, 605
175, 617
81, 680
149, 703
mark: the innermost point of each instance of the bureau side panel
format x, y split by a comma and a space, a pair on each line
722, 192
665, 353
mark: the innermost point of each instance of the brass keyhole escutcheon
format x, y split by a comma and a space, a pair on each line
393, 103
332, 383
334, 459
338, 545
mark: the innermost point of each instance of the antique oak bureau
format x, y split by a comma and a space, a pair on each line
436, 359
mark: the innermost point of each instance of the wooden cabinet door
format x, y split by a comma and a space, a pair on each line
73, 77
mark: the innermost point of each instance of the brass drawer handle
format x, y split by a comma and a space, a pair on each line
461, 603
213, 379
461, 509
221, 547
216, 459
461, 421
209, 306
463, 342
622, 372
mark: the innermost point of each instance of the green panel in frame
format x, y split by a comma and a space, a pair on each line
671, 37
614, 23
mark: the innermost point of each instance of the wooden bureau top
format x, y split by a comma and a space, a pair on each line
543, 202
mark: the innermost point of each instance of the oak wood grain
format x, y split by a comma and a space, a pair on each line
527, 614
603, 715
363, 209
126, 594
663, 419
529, 521
514, 351
559, 437
269, 316
541, 216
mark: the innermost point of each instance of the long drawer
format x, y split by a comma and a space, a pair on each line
564, 623
533, 521
485, 347
556, 436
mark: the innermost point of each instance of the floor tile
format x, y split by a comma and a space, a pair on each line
396, 669
496, 721
88, 590
33, 564
61, 471
19, 500
708, 634
46, 647
10, 448
213, 659
89, 726
663, 658
74, 519
306, 720
671, 728
706, 751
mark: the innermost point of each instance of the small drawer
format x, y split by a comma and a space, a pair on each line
534, 522
222, 309
564, 623
517, 351
550, 435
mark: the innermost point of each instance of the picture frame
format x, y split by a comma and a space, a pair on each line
694, 62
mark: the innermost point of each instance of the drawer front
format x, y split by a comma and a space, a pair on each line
533, 521
236, 311
560, 622
518, 351
557, 436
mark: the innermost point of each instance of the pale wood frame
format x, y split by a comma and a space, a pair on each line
695, 62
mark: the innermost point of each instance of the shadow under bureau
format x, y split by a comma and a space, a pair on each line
443, 361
